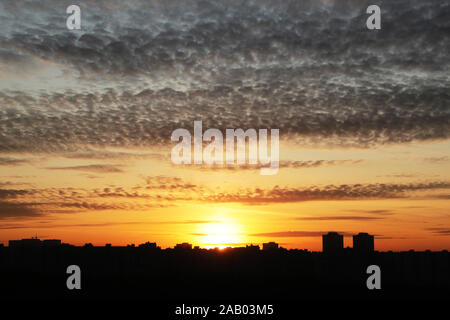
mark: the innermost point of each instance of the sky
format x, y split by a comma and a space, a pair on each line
86, 118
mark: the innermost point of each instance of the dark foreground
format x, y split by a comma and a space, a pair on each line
182, 276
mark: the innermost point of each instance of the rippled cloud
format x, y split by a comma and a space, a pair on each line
309, 68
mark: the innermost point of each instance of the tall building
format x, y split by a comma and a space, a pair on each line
184, 245
25, 243
251, 248
332, 242
151, 245
270, 246
51, 243
363, 242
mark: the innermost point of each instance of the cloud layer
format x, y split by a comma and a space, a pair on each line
309, 68
164, 191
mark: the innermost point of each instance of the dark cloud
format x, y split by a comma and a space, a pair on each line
164, 191
315, 163
382, 212
148, 118
95, 225
282, 165
27, 209
439, 231
441, 196
330, 192
352, 218
294, 234
17, 210
309, 68
389, 238
400, 175
158, 180
159, 192
98, 168
107, 155
7, 161
94, 206
13, 193
187, 222
151, 36
184, 187
169, 184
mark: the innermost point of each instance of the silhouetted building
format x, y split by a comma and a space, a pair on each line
363, 242
13, 243
204, 274
270, 246
151, 245
184, 246
25, 243
34, 243
51, 243
332, 242
252, 247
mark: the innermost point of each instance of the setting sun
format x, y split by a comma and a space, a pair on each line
221, 234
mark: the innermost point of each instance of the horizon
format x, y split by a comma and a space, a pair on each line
219, 247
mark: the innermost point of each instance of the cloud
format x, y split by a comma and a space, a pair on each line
400, 175
441, 196
106, 155
282, 164
159, 192
439, 231
148, 118
188, 222
443, 159
327, 218
94, 206
96, 225
7, 161
309, 68
278, 194
26, 209
382, 212
169, 184
98, 168
17, 210
150, 180
167, 191
389, 238
294, 234
13, 193
315, 163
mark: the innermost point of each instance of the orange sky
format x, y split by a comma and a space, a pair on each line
131, 197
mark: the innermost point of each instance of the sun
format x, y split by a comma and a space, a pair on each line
221, 234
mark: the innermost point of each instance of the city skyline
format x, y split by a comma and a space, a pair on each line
51, 270
362, 242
